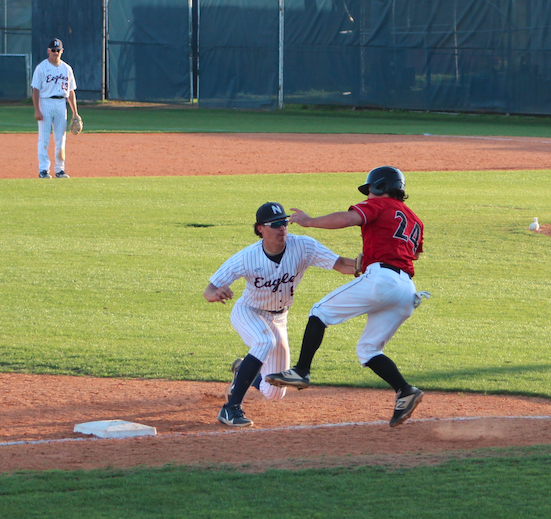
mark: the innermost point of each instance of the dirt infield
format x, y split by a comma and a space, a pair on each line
155, 154
317, 427
322, 426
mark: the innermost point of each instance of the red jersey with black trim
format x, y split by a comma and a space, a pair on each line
391, 233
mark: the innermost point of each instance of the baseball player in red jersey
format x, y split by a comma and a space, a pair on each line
273, 268
392, 240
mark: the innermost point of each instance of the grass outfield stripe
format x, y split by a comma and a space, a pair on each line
101, 118
279, 429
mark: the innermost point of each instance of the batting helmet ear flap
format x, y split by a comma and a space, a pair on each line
364, 189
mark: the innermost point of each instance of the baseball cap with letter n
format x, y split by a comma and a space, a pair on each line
55, 44
270, 212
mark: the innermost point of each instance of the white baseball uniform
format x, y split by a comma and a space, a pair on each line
384, 295
260, 314
54, 84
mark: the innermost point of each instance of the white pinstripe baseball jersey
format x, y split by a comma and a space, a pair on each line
271, 286
52, 80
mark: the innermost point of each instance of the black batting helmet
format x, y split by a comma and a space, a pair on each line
382, 179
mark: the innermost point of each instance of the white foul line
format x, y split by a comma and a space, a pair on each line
279, 429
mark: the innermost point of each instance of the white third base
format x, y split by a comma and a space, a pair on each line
115, 429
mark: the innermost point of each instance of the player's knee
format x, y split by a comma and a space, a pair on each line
261, 352
367, 352
317, 313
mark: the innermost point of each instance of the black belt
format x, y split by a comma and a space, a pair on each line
57, 97
391, 267
277, 311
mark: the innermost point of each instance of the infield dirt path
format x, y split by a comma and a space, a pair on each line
155, 154
322, 426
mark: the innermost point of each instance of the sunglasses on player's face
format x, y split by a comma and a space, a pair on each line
277, 224
55, 50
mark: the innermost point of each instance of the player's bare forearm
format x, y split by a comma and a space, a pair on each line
215, 294
344, 266
72, 100
338, 220
36, 103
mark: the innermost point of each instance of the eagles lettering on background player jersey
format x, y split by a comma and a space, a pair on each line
273, 268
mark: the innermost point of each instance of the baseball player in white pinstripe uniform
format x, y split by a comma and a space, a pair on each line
273, 267
53, 86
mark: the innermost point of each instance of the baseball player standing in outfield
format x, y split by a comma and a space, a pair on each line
392, 239
273, 267
53, 85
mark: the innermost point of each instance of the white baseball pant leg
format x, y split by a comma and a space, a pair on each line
265, 334
384, 295
54, 112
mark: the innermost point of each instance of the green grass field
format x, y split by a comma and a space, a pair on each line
105, 277
115, 117
514, 486
113, 272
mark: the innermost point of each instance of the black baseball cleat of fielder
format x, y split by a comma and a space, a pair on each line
61, 174
234, 368
44, 174
405, 405
289, 378
233, 415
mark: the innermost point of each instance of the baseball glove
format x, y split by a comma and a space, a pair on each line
358, 265
76, 125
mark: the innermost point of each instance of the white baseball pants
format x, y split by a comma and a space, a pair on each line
54, 113
265, 334
384, 295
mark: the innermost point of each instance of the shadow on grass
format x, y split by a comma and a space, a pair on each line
497, 373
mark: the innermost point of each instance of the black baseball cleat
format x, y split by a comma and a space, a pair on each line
235, 368
61, 174
405, 405
233, 415
289, 378
44, 174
